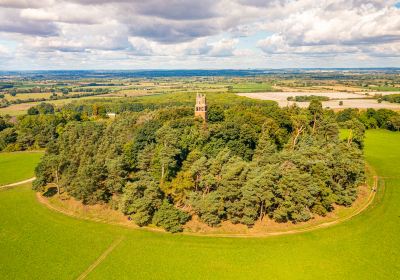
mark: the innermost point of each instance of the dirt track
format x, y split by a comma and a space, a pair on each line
18, 183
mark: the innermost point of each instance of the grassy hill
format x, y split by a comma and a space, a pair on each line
38, 243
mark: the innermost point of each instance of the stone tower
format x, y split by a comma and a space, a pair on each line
201, 107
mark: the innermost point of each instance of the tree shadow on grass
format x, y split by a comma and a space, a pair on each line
50, 192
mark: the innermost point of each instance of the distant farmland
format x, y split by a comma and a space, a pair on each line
349, 100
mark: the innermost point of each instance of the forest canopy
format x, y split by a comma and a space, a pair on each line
249, 161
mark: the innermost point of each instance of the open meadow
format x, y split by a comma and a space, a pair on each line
38, 243
18, 166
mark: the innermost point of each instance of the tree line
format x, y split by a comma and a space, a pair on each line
392, 98
371, 118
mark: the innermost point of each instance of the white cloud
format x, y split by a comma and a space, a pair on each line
198, 33
224, 47
332, 27
25, 3
38, 14
198, 47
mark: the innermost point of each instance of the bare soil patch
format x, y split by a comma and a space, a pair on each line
350, 100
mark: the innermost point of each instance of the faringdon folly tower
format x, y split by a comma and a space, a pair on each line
200, 109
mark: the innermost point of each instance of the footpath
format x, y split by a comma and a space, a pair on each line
18, 183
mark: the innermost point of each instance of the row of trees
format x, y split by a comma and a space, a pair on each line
307, 98
371, 118
392, 98
64, 90
162, 166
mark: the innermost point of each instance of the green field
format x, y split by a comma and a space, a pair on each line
251, 87
37, 243
18, 166
385, 88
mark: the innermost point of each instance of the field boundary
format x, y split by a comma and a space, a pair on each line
101, 258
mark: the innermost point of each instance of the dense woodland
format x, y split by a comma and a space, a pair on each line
159, 165
43, 123
370, 118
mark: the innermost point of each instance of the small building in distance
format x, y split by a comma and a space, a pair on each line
200, 109
111, 115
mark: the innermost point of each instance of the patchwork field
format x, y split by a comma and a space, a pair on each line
251, 87
350, 100
22, 108
38, 243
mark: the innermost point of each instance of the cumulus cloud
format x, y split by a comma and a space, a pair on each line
206, 31
4, 51
25, 3
177, 9
110, 36
222, 48
199, 47
172, 9
11, 21
263, 3
165, 31
332, 27
38, 14
66, 13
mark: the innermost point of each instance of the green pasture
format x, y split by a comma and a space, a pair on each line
384, 88
19, 166
38, 243
251, 87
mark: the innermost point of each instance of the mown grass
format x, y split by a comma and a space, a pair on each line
37, 243
40, 244
17, 166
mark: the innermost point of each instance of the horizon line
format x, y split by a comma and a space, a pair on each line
206, 69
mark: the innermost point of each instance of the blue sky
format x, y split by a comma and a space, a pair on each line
208, 34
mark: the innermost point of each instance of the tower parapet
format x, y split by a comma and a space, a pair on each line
201, 106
